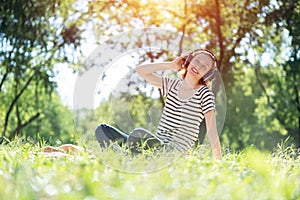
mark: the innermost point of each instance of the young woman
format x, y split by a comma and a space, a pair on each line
189, 102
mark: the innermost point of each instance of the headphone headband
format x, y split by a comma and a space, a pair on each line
207, 52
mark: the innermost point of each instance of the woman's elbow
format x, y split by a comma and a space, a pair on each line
140, 70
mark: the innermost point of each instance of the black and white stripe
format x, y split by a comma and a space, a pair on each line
180, 121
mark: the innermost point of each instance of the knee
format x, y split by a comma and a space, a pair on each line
100, 135
140, 133
100, 129
139, 130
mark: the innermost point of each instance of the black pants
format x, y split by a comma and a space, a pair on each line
139, 139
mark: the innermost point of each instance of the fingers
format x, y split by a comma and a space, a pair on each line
178, 63
184, 57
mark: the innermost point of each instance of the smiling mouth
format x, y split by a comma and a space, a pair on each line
195, 70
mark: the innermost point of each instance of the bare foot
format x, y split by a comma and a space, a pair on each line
50, 149
70, 148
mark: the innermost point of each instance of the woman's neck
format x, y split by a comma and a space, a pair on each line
187, 89
190, 84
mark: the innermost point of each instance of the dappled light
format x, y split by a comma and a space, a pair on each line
99, 43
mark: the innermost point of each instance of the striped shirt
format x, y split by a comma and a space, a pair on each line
180, 121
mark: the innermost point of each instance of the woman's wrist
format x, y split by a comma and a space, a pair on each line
217, 150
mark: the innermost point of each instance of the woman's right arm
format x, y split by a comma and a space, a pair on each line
147, 71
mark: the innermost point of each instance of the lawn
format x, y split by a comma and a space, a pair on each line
25, 173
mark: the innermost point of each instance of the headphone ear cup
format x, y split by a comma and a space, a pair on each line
187, 60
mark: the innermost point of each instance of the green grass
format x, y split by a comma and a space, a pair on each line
251, 174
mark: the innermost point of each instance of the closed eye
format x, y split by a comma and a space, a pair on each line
203, 66
197, 62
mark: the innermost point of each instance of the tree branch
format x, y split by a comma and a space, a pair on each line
257, 73
2, 80
21, 126
13, 103
239, 34
219, 32
281, 120
8, 70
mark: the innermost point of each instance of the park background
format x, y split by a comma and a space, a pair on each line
46, 45
257, 43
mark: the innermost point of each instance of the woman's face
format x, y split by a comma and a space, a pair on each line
200, 65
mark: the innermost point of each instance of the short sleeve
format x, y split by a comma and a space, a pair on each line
208, 101
167, 84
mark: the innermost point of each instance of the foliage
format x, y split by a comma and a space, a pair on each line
251, 174
243, 33
32, 42
256, 42
280, 84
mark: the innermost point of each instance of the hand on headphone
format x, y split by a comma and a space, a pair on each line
179, 61
177, 64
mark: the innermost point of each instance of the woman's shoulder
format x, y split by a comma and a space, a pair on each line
169, 79
173, 82
204, 90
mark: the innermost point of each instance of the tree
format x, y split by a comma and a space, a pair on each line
280, 85
32, 40
230, 28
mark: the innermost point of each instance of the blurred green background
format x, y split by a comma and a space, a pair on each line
257, 43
